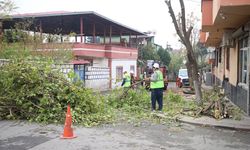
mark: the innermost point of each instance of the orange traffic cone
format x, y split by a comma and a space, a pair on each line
68, 131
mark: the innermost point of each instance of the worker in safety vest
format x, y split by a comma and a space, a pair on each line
126, 83
156, 86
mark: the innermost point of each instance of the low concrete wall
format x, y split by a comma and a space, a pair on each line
97, 78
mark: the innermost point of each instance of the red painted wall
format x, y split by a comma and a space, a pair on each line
207, 13
108, 51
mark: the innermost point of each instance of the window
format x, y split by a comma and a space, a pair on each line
219, 53
132, 68
79, 71
216, 57
119, 73
243, 59
228, 59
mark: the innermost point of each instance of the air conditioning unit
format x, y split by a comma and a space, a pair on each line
227, 40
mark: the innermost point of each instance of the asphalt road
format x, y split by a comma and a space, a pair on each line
147, 136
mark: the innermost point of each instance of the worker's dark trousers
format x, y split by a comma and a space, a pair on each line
157, 95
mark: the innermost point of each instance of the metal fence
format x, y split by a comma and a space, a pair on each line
237, 94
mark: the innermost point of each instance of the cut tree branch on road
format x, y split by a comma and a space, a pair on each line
184, 36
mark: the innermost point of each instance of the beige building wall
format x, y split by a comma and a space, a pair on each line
219, 71
233, 66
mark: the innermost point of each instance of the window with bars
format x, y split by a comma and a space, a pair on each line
119, 73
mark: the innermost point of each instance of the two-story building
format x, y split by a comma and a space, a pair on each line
102, 48
226, 26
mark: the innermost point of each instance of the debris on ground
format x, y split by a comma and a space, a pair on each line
218, 106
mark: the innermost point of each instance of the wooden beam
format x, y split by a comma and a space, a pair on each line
136, 41
94, 37
129, 40
104, 34
41, 30
110, 34
120, 37
110, 72
81, 29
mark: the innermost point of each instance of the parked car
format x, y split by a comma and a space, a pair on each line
182, 79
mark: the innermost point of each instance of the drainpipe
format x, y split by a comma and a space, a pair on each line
248, 95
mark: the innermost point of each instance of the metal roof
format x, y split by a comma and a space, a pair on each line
68, 22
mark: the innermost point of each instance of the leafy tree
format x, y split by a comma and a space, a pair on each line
164, 56
147, 52
6, 7
201, 53
176, 62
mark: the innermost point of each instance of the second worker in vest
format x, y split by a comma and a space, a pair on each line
126, 82
156, 86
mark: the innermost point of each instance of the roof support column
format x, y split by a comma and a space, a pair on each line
110, 34
41, 30
61, 38
34, 33
76, 38
121, 42
104, 34
110, 72
129, 40
94, 37
81, 29
136, 41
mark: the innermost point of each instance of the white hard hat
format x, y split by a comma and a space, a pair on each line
132, 71
156, 65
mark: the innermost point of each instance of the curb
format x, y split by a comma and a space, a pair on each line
213, 125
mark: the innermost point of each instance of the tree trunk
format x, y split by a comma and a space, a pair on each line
1, 31
194, 71
190, 77
184, 36
1, 35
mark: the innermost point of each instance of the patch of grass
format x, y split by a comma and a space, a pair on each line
175, 104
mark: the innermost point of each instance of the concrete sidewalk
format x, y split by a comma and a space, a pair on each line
243, 124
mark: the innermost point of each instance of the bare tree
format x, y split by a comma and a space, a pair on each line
184, 34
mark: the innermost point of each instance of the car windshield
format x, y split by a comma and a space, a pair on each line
183, 73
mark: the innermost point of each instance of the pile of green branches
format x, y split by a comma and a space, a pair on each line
36, 92
132, 100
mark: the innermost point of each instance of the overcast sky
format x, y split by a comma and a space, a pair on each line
142, 15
